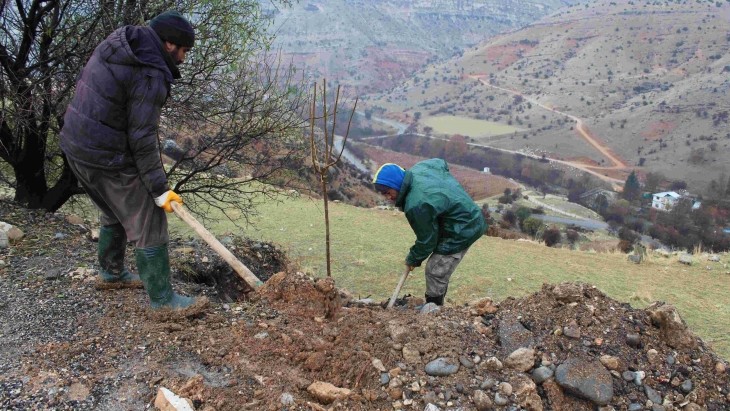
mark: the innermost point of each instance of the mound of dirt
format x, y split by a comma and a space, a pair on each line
299, 343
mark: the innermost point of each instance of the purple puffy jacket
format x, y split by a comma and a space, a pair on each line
113, 118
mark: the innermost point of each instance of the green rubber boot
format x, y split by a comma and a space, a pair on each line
153, 264
112, 242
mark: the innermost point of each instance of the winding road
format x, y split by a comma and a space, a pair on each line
617, 163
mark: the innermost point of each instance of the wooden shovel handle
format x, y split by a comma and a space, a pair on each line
240, 269
398, 287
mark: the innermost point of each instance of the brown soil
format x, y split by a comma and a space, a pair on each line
66, 345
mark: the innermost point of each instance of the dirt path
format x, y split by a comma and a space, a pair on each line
617, 163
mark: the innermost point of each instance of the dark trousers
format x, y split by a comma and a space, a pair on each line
123, 199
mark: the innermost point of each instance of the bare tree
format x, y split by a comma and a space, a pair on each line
323, 159
234, 118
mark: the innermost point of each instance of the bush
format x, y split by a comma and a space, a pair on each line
532, 225
551, 236
572, 236
510, 218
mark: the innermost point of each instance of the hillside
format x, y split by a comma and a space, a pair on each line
375, 44
611, 85
301, 344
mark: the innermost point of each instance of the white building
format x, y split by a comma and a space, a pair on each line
666, 200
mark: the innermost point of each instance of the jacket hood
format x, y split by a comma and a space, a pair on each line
135, 46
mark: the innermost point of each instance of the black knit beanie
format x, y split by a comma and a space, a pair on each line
173, 27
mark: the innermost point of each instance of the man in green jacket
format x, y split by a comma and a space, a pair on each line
444, 218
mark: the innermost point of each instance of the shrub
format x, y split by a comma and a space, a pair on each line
509, 217
551, 236
532, 225
572, 236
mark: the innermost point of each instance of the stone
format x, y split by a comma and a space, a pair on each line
326, 393
635, 407
720, 367
686, 386
384, 378
586, 379
399, 333
12, 233
411, 355
541, 374
633, 340
653, 356
505, 388
685, 259
501, 399
672, 328
431, 407
558, 401
441, 367
166, 400
610, 362
493, 364
482, 401
628, 375
522, 359
692, 407
513, 335
429, 308
639, 377
571, 331
653, 395
482, 306
466, 362
4, 242
714, 258
568, 292
378, 365
488, 383
525, 393
286, 399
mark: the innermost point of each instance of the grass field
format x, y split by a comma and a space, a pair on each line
369, 246
467, 126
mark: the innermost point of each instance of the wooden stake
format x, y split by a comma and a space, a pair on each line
240, 269
398, 287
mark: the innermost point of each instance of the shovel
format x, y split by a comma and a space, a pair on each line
397, 288
246, 275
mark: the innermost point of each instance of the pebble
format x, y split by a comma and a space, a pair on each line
431, 407
541, 374
720, 367
466, 362
441, 367
653, 395
493, 364
638, 377
488, 383
286, 399
633, 340
635, 407
500, 399
671, 360
505, 388
628, 375
384, 378
686, 386
652, 355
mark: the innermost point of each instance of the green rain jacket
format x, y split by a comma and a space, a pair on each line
442, 215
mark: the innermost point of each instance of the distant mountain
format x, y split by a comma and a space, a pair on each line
376, 44
650, 82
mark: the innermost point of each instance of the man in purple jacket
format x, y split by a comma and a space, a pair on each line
109, 137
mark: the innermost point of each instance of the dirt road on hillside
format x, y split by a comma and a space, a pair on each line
618, 165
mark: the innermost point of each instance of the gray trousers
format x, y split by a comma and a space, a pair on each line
123, 199
438, 272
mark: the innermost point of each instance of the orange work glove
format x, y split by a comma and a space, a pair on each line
164, 200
